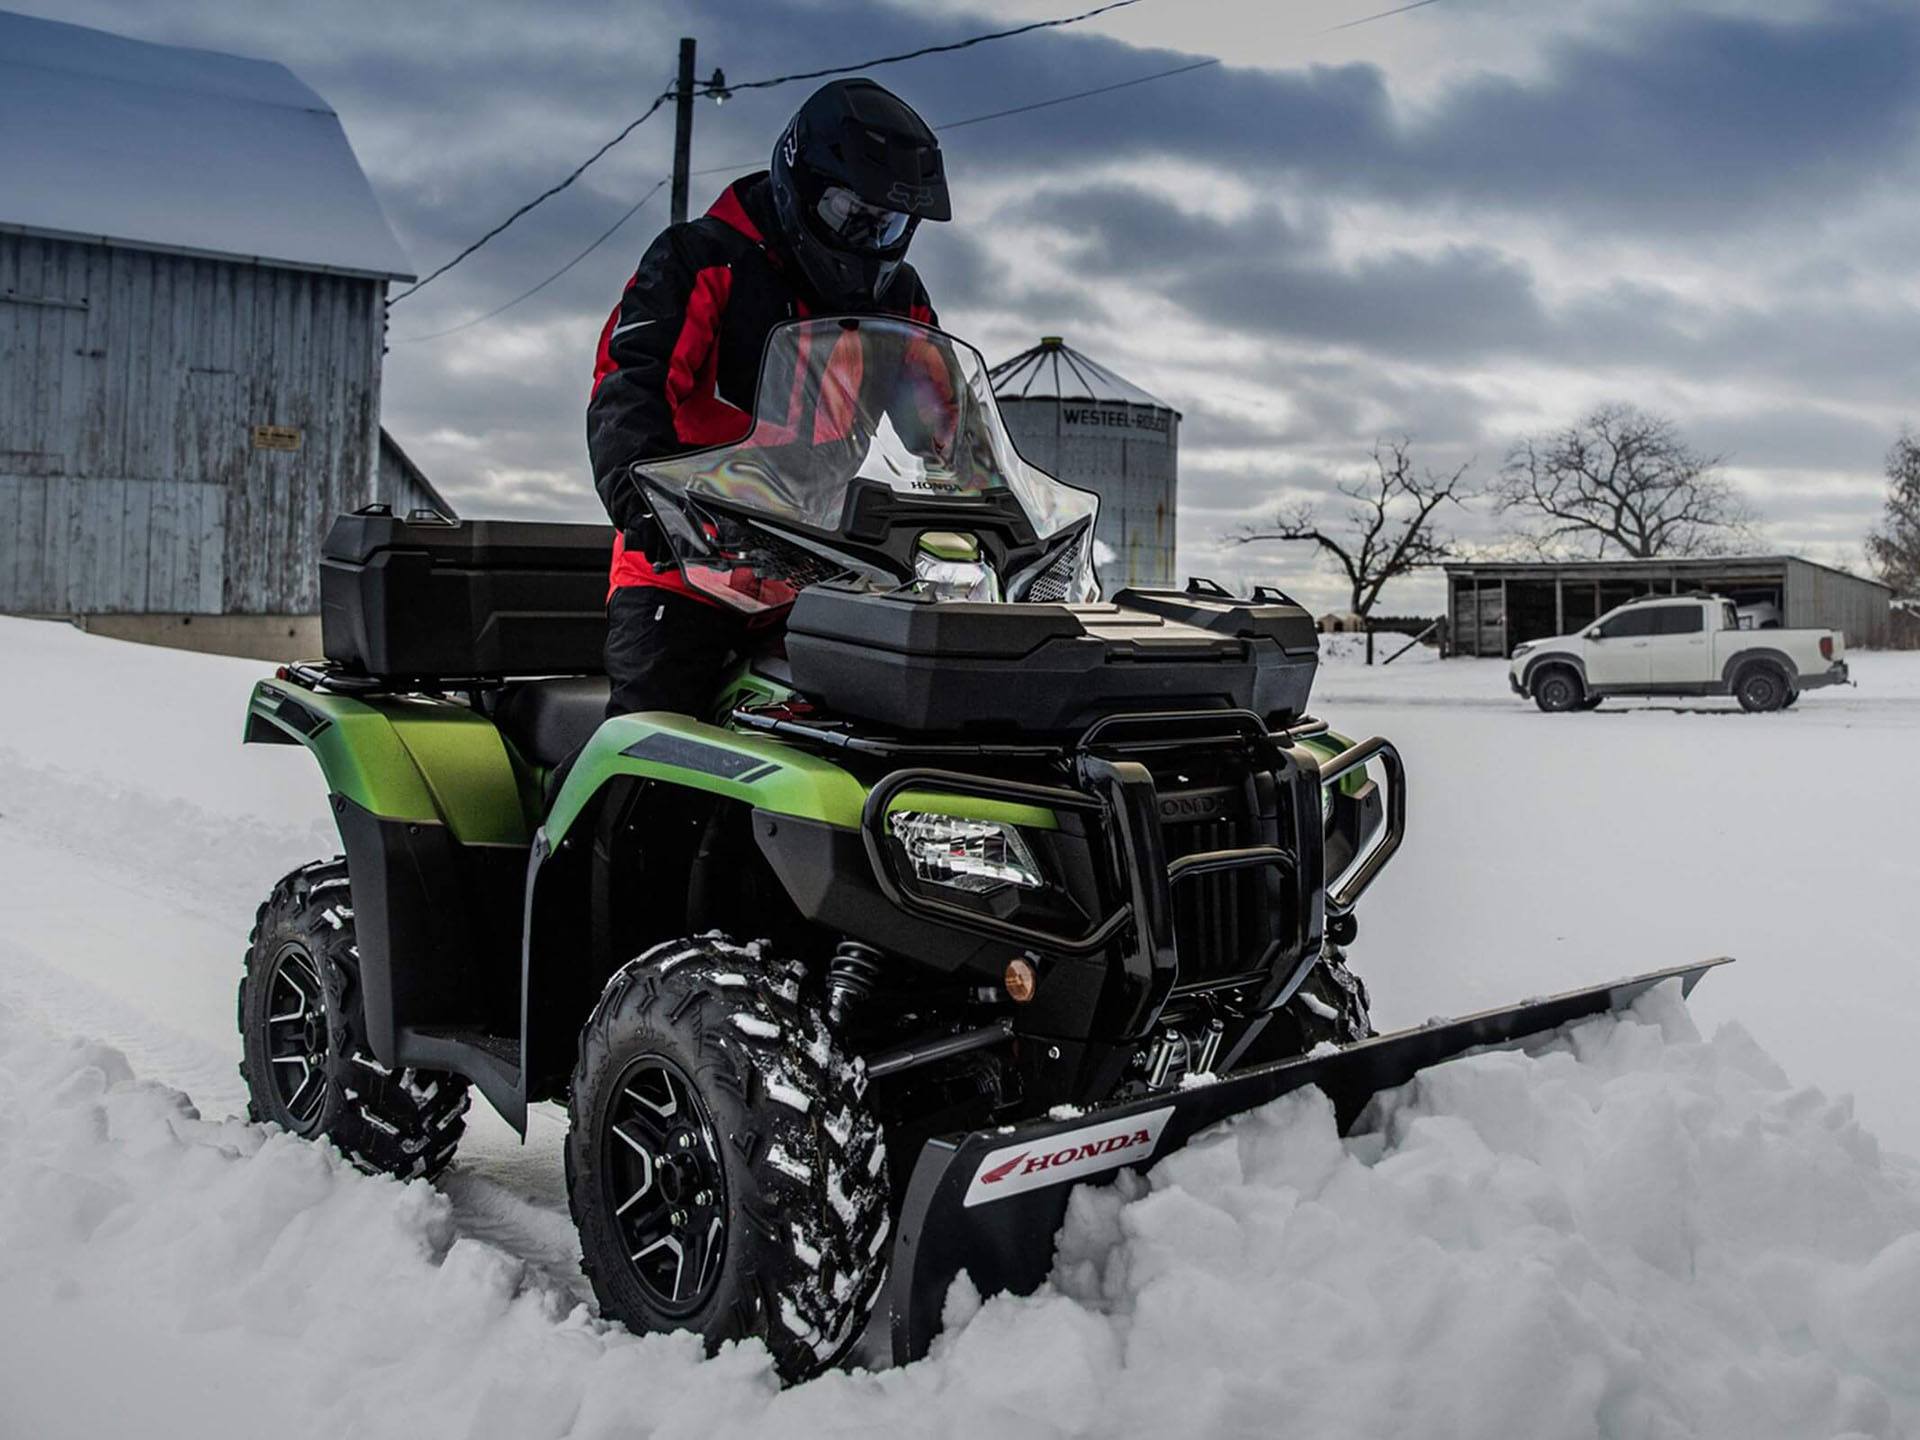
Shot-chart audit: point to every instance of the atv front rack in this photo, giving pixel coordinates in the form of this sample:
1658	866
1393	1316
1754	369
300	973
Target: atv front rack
991	1202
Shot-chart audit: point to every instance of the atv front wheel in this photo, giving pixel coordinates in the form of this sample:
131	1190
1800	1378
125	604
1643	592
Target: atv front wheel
1329	1008
723	1170
307	1065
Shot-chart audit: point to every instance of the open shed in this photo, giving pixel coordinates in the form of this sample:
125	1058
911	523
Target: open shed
1494	605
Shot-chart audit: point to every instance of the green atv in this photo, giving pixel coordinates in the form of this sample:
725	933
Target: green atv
968	888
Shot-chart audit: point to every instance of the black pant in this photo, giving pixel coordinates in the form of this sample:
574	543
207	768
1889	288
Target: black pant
667	651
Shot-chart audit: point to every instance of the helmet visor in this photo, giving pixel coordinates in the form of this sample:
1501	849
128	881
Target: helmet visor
856	224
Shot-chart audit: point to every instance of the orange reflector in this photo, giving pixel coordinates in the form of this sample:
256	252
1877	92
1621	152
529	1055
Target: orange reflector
1020	981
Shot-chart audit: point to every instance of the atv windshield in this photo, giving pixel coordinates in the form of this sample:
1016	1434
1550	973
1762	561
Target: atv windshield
872	399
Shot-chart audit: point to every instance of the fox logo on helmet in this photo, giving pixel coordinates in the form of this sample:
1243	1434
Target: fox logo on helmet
1072	1155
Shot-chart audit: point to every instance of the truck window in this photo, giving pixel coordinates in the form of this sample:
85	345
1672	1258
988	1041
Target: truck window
1679	620
1637	621
1729	615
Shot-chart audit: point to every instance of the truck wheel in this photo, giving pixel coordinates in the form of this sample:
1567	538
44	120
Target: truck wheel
307	1065
1557	690
723	1169
1793	699
1762	688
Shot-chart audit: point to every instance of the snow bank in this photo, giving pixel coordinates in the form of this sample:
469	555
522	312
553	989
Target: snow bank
1634	1232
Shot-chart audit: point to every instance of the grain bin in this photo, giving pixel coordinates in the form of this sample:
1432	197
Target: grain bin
1075	418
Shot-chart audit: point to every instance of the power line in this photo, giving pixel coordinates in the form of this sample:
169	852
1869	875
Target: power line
880	60
767	84
605	235
608	233
1382	15
540	199
1076	95
945	125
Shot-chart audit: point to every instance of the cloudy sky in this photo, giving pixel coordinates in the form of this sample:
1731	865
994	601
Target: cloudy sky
1463	223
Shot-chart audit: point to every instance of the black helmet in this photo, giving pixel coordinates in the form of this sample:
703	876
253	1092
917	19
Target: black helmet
853	176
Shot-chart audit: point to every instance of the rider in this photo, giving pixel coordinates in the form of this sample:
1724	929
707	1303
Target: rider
824	232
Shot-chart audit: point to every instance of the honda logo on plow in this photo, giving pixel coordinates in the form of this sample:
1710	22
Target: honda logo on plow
1070	1155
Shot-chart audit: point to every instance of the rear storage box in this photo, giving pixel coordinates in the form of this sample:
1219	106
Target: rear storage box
425	598
915	664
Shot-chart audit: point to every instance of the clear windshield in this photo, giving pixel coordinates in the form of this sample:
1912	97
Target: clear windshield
873	398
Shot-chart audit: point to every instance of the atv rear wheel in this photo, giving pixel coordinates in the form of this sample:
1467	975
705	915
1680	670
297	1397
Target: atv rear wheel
307	1065
723	1170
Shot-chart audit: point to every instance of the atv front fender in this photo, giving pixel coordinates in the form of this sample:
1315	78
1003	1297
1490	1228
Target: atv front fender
767	775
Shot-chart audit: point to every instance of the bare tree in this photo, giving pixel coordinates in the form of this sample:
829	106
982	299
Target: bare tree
1622	482
1389	529
1894	547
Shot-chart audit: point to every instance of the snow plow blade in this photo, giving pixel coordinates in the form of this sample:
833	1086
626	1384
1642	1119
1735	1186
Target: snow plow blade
991	1202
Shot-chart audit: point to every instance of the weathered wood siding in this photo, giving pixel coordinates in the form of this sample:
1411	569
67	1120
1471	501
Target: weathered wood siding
1819	598
130	384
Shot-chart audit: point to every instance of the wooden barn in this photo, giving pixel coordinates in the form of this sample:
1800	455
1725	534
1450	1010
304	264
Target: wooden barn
193	278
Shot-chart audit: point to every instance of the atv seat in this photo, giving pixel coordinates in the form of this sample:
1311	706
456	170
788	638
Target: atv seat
547	720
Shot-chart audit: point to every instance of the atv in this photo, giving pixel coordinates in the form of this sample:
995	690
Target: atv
970	886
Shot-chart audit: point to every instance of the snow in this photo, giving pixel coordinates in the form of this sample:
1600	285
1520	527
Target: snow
1632	1231
180	149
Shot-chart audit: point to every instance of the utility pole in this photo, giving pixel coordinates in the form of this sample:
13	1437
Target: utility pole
682	131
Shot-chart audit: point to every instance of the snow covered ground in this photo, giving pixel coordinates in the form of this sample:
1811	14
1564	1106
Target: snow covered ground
1634	1231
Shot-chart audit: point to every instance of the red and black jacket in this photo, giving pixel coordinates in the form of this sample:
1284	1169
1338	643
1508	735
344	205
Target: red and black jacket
679	359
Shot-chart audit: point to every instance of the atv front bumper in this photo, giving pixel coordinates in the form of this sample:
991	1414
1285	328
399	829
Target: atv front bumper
991	1202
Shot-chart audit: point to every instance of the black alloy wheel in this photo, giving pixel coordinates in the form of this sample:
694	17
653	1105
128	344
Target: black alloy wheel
666	1185
297	1039
723	1168
303	1038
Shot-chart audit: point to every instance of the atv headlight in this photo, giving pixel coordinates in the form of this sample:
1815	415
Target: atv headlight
976	856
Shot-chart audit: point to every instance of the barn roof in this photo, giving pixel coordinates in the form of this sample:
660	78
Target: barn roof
168	148
1054	370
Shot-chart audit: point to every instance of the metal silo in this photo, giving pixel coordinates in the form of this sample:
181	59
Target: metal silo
1076	419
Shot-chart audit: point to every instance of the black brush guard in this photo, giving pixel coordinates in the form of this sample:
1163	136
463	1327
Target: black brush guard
1117	790
954	1219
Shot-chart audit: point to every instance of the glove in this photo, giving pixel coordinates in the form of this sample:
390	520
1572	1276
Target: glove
646	537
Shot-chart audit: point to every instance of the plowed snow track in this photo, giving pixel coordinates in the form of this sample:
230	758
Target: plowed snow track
1638	1233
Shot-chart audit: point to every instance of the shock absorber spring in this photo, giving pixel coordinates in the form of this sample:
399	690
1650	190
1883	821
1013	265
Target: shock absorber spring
851	976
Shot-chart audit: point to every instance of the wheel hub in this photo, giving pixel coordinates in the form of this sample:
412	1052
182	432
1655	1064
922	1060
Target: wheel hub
296	1038
665	1183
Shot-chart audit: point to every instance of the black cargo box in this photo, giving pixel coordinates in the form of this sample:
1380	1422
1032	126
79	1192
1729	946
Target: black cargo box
426	598
920	665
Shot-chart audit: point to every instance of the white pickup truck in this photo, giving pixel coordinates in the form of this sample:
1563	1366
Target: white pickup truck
1677	645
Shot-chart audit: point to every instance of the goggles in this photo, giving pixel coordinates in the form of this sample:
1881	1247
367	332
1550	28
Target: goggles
858	225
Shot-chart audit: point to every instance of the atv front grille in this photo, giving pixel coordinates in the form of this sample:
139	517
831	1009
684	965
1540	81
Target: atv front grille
1223	922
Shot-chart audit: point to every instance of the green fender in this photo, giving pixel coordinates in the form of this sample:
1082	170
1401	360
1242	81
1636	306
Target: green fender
405	758
1327	745
765	774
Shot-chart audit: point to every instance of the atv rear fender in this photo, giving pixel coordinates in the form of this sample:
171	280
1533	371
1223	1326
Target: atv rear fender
435	817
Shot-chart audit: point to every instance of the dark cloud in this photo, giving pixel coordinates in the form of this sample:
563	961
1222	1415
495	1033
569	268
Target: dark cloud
1738	138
